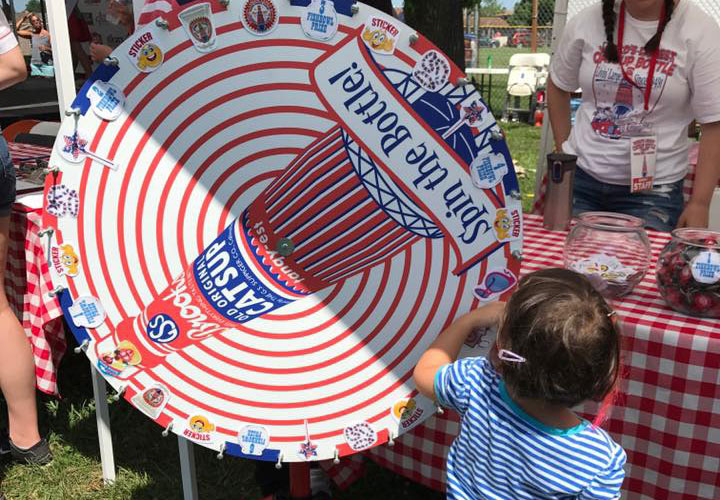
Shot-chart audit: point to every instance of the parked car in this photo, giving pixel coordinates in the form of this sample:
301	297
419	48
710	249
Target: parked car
520	38
485	41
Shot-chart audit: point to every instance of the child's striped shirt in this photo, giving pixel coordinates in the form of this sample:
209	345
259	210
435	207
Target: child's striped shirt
504	453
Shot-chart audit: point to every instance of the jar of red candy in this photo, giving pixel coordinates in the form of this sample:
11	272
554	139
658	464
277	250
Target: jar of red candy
688	272
612	250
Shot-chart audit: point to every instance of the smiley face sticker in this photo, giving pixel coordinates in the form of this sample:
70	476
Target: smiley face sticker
145	52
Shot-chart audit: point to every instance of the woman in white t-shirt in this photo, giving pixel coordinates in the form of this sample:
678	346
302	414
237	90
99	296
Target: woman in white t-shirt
631	141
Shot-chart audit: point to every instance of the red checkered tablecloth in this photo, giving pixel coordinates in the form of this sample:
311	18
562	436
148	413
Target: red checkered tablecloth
27	283
668	420
22	153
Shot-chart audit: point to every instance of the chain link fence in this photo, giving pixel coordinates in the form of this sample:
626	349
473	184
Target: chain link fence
492	37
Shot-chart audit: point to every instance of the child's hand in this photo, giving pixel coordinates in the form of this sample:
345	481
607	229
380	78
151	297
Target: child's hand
487	316
446	347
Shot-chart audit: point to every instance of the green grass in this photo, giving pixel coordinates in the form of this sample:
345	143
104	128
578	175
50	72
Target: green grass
523	141
148	467
147	464
498	58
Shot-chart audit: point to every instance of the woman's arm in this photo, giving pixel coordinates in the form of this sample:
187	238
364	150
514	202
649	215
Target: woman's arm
707	174
559	110
22	33
12	68
447	346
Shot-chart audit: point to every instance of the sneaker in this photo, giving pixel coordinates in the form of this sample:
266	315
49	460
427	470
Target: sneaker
4	443
38	454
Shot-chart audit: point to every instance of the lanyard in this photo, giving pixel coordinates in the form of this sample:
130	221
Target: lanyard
653	58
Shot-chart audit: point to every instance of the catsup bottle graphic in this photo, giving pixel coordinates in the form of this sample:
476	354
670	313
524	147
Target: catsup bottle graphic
386	175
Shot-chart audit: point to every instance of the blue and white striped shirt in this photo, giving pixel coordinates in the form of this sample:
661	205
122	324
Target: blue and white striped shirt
504	453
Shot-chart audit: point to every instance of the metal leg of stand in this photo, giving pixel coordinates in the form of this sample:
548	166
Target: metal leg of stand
187	469
102	415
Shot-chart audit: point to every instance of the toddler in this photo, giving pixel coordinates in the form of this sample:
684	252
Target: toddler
557	346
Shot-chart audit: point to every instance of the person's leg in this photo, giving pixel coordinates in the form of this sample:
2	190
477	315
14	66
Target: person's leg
17	367
79	55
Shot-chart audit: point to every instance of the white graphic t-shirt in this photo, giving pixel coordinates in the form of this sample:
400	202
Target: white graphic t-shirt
686	86
7	37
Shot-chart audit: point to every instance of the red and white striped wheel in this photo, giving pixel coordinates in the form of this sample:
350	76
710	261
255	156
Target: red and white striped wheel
237	134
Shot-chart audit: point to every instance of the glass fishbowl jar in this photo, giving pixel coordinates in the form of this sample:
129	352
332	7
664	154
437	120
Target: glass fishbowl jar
612	250
688	272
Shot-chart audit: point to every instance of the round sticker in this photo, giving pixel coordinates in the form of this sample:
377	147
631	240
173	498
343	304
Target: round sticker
319	20
260	17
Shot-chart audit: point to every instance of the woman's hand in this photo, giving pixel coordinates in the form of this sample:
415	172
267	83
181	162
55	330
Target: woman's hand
696	214
99	52
707	173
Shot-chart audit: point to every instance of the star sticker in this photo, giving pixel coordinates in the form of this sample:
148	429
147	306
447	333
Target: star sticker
308	450
74	145
473	113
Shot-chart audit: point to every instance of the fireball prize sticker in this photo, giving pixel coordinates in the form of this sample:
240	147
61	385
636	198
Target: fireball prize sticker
705	267
319	20
106	100
253	439
87	311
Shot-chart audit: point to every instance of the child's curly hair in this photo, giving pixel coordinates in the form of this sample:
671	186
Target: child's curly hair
563	327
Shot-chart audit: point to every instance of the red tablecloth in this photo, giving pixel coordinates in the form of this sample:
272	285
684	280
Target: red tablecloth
27	281
668	421
22	153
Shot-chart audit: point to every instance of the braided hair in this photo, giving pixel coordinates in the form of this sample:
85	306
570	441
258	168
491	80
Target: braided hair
612	52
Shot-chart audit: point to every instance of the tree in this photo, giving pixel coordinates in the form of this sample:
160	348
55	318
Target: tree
522	13
33	6
488	8
491	8
383	5
441	21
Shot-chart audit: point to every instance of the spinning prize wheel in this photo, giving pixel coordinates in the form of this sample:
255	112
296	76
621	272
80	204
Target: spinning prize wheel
265	211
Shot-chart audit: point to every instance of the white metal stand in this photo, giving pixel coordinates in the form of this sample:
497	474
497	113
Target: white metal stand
102	416
62	60
187	469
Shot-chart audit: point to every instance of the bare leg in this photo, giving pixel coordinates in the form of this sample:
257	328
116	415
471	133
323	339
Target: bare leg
79	54
17	367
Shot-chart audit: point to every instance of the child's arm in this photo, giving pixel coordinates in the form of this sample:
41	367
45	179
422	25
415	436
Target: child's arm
447	346
607	484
